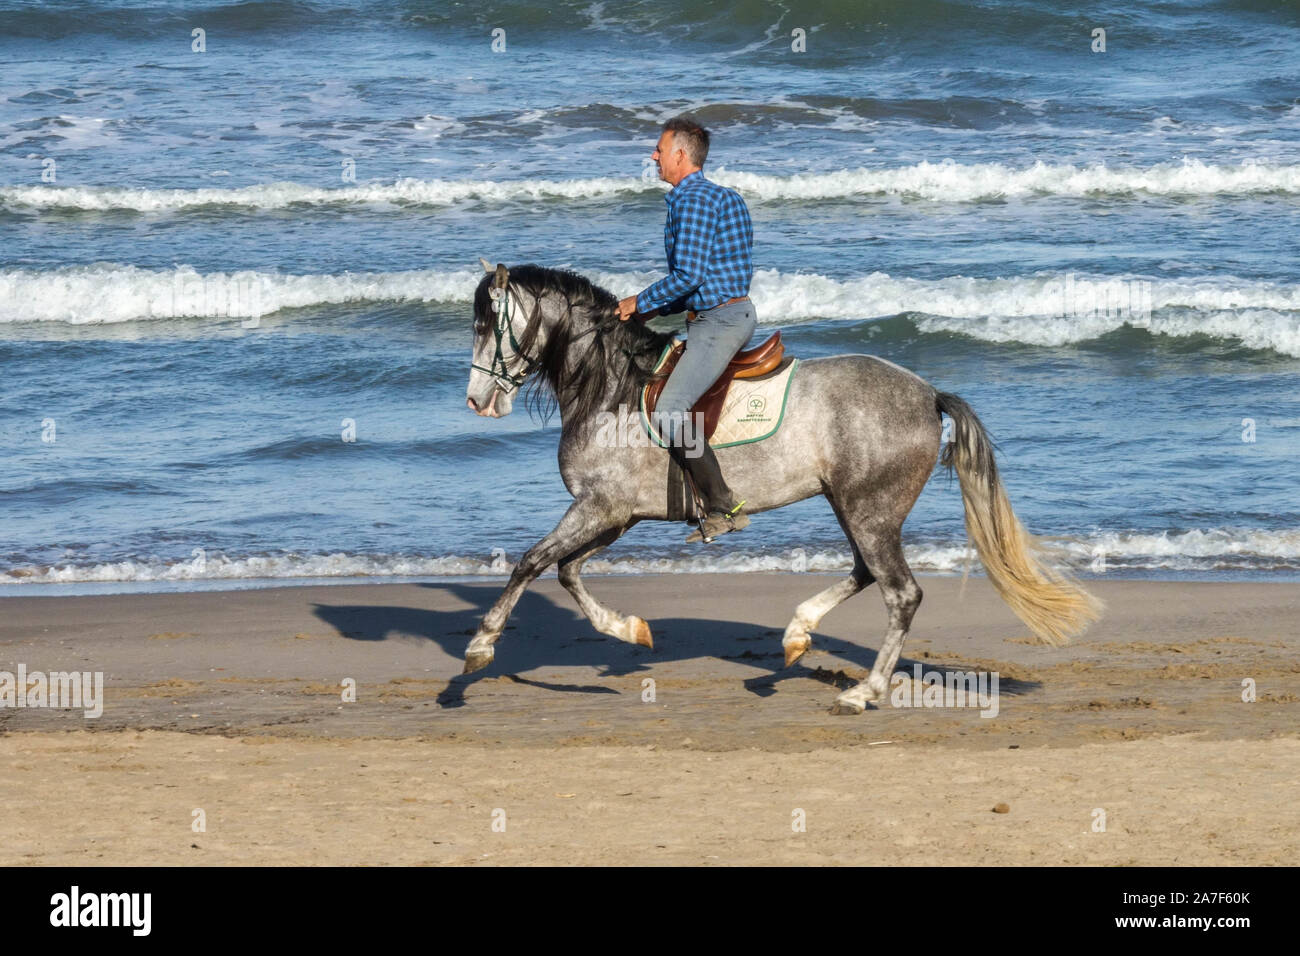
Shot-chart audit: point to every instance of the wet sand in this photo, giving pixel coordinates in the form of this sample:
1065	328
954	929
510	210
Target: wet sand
232	702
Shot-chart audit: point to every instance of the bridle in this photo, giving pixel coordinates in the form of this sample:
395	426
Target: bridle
501	294
503	331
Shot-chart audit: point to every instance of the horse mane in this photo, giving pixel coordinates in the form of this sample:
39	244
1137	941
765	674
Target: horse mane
621	353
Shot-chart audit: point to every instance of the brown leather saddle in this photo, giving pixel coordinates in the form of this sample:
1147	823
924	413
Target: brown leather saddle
747	363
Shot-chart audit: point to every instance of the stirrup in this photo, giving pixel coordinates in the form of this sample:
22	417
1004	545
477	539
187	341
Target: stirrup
718	523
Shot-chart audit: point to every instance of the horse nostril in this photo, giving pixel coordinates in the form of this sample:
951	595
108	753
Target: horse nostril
473	405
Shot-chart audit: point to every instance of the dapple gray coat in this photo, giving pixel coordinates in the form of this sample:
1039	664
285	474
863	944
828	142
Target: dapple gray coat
858	430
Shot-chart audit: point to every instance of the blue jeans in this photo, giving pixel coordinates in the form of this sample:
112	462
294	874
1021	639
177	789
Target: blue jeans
711	341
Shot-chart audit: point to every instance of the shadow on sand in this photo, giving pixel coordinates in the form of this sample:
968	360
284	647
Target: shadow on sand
543	633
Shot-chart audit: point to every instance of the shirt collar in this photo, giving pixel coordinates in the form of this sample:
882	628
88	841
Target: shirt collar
682	185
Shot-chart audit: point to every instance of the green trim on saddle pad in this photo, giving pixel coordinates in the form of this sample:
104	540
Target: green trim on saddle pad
788	372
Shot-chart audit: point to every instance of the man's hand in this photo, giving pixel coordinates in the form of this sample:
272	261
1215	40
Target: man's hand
627	308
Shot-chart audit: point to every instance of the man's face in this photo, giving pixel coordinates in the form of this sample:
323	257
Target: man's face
671	160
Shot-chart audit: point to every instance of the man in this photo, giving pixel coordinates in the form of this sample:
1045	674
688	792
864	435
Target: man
709	240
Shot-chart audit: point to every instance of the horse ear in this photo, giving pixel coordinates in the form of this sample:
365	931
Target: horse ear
503	276
487	266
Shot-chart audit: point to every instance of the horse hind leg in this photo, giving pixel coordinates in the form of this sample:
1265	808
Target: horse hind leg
798	634
883	552
625	627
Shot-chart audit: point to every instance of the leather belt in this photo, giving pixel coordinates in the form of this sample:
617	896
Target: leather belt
691	315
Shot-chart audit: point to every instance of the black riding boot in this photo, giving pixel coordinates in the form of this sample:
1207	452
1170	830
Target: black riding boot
722	513
707	477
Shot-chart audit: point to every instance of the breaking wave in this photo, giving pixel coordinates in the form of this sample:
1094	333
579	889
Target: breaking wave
1103	552
945	181
1046	310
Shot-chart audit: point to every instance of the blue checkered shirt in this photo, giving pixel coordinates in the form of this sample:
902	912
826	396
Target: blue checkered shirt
709	241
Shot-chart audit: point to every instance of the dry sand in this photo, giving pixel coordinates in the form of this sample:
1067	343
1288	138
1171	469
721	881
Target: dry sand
230	702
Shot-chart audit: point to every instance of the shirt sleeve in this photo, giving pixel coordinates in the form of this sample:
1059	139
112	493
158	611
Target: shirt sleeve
696	225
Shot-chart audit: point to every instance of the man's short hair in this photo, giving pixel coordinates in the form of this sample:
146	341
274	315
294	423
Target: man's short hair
690	136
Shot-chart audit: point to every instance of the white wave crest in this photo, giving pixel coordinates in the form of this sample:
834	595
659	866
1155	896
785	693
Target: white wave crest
282	195
1255	328
1211	550
114	293
948	181
945	181
1048	310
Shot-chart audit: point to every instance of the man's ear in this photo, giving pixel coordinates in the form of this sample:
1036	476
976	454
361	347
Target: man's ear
487	266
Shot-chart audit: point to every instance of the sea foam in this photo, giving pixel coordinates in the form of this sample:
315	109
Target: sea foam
1214	549
943	181
1048	310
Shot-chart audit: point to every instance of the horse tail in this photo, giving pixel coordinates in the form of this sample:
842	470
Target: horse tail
1050	602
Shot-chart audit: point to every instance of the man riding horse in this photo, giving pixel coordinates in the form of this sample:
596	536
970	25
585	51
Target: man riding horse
856	429
709	239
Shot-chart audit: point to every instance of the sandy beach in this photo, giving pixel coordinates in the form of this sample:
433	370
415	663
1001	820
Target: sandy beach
232	703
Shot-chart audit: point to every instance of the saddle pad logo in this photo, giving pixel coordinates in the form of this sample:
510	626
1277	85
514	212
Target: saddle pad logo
755	410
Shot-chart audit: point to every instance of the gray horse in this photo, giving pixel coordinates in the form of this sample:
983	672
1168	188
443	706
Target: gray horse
859	430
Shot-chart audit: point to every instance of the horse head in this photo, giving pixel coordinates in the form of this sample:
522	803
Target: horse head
498	365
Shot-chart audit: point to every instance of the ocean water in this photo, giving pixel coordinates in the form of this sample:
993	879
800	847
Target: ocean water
217	266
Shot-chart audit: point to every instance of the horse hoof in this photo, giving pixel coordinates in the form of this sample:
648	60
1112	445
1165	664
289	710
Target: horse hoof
844	709
641	633
477	660
795	651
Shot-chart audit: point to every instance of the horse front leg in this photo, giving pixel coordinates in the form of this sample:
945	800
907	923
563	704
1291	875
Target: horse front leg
584	521
625	627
